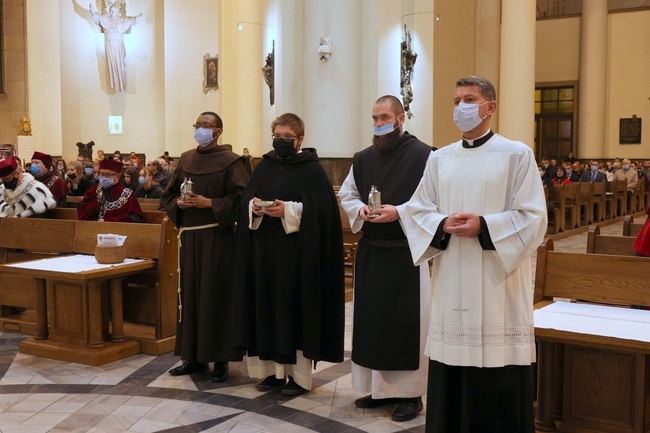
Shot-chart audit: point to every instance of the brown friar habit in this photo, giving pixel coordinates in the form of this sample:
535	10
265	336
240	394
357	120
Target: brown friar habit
290	291
386	334
207	255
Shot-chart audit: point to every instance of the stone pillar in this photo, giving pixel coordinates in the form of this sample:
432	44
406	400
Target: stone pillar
244	29
517	71
593	79
488	48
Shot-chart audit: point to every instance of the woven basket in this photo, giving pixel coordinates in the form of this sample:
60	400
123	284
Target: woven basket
110	255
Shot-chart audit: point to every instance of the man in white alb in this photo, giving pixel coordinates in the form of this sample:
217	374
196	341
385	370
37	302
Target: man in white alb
481	228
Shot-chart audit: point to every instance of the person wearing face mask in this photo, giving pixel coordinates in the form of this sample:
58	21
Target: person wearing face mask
206	220
41	170
631	177
391	296
290	252
77	182
147	188
22	196
593	175
61	169
110	200
481	230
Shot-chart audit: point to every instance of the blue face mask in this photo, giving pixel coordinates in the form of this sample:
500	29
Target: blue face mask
594	168
385	129
35	170
141	180
203	136
106	182
88	171
466	116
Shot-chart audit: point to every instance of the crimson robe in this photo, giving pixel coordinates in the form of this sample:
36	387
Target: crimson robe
121	206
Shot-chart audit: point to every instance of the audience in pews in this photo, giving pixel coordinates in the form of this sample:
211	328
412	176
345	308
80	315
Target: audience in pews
60	168
147	188
136	159
568	170
41	170
21	195
159	176
76	180
131	178
110	200
560	177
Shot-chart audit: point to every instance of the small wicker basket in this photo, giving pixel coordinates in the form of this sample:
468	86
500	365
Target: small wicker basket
110	255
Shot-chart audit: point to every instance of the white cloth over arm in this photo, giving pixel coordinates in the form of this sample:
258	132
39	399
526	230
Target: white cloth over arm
290	221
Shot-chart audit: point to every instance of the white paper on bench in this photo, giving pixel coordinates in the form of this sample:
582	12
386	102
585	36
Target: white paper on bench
72	264
600	320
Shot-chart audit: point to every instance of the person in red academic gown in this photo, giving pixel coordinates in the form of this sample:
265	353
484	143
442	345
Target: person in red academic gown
41	169
110	200
642	242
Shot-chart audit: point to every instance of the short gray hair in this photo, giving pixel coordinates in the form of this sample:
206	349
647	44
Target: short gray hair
485	87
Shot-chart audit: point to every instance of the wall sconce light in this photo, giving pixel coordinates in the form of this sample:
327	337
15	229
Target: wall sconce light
325	49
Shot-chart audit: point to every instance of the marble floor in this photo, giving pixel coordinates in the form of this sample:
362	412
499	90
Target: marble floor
136	394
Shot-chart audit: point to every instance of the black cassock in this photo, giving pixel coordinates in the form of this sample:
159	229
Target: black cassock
290	288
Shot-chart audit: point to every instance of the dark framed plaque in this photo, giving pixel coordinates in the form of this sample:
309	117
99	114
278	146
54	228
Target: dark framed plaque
630	131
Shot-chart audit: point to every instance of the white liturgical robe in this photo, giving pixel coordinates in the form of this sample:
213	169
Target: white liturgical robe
482	308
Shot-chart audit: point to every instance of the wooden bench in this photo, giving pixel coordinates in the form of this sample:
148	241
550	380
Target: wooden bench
146	204
592	383
630	228
616	245
150	297
68	213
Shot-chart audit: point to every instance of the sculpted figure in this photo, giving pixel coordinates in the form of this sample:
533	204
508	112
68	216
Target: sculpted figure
114	25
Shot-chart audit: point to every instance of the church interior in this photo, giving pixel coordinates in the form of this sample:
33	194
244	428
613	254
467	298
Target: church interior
571	77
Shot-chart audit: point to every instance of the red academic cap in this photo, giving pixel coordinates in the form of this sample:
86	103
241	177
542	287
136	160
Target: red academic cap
44	158
111	164
8	166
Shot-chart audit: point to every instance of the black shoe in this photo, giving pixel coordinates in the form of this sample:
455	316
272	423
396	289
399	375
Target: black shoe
292	389
188	367
270	383
220	372
368	402
407	409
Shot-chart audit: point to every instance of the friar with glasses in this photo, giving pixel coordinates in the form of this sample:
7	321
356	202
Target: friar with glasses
290	285
206	218
110	200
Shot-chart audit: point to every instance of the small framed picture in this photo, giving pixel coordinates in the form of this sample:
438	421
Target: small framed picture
115	125
210	73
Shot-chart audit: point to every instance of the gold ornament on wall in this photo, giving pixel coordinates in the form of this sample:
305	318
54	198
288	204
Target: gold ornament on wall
25	126
269	73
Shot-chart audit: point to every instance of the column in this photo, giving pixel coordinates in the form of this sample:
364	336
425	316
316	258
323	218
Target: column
516	93
244	30
488	45
593	79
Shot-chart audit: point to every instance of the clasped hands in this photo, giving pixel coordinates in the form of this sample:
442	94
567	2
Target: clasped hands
275	211
463	224
387	213
194	200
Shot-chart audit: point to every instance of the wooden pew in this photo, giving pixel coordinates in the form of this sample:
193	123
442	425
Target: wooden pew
604	382
150	297
617	193
566	199
616	245
630	228
350	242
68	213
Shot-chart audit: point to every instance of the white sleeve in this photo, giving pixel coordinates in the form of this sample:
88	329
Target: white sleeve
253	220
351	202
292	216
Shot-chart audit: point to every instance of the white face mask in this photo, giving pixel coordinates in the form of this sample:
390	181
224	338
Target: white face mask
466	116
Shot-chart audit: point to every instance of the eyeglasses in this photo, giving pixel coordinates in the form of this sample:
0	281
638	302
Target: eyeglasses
283	137
205	125
107	175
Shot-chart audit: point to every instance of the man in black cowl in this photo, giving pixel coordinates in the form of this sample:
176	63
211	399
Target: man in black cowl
391	295
206	220
289	298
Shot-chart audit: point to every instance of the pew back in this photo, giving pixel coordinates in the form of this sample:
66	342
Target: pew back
601	278
616	245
